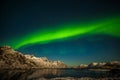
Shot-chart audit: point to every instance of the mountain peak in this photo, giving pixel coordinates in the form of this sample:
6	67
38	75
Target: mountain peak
5	47
6	50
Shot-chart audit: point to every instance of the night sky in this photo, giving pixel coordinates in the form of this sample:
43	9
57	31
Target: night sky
73	31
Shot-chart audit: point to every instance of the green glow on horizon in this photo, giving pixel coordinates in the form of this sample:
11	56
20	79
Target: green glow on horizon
108	26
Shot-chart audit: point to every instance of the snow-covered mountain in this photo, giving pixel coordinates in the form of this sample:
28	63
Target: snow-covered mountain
101	65
9	58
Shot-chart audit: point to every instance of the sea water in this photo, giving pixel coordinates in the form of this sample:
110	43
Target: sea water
58	74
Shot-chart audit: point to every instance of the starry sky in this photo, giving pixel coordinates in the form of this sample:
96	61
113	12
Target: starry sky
73	31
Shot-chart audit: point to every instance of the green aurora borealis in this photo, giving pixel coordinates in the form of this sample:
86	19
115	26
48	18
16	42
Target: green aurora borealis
74	31
109	26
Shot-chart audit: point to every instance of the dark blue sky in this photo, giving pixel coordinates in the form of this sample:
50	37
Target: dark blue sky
18	18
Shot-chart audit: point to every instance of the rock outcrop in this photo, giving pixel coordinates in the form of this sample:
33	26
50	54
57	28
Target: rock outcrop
11	59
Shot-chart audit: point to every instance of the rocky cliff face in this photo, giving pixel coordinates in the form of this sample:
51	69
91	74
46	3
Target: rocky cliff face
9	58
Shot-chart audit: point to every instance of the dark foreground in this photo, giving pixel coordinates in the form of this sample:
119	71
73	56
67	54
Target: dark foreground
59	74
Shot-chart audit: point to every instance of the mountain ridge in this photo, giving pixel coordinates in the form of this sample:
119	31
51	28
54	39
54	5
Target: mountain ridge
9	58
